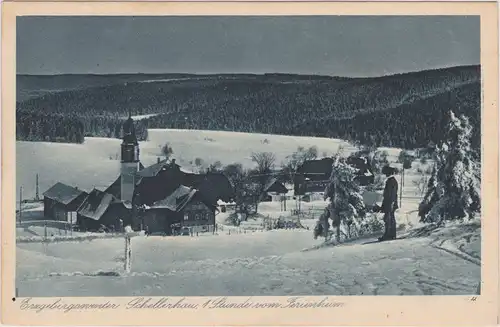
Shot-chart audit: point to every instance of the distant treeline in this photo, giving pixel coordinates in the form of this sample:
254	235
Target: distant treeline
40	126
403	110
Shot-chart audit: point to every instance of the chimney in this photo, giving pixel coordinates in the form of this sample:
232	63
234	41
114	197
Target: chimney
157	159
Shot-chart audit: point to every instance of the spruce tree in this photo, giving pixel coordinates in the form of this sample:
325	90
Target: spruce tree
346	205
454	189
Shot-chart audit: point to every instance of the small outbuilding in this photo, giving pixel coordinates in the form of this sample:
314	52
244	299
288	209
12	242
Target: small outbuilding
276	187
61	200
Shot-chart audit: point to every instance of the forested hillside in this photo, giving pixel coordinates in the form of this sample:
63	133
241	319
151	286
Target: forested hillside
399	110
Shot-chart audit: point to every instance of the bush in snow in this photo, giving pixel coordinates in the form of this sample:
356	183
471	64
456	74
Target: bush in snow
454	187
346	205
198	162
167	150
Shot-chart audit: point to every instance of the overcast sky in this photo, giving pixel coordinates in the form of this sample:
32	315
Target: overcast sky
328	45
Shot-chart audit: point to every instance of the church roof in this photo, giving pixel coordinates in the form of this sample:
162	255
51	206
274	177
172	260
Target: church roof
63	193
153	170
115	189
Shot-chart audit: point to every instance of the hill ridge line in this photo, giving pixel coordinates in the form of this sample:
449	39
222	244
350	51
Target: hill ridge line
414	98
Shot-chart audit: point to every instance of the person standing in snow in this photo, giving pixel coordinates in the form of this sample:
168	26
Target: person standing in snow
389	204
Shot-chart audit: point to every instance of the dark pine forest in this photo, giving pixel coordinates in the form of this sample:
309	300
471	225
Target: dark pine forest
405	110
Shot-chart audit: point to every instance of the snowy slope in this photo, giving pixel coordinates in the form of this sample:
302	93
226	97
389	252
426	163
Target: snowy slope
260	263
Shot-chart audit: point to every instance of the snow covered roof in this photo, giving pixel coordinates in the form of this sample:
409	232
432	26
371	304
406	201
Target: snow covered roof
187	171
177	200
63	193
222	203
96	204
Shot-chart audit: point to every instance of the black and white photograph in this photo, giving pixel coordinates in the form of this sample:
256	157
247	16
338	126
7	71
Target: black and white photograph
248	156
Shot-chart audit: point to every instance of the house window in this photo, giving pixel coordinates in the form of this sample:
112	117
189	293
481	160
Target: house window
186	216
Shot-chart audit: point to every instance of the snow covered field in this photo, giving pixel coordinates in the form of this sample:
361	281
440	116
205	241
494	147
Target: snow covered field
259	263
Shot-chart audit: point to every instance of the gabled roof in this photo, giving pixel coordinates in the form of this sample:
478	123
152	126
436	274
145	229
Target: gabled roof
275	186
96	204
177	200
63	193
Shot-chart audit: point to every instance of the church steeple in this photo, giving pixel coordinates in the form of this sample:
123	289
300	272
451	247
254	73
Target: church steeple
129	136
130	146
129	159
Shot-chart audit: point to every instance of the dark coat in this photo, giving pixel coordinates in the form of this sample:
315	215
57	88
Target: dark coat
390	201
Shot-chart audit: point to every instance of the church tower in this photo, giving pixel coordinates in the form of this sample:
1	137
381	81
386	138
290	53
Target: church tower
129	160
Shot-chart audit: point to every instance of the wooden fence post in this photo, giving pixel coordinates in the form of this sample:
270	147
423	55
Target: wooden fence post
128	253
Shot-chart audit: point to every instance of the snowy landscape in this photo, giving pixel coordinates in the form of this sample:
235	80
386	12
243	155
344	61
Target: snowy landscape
245	260
343	167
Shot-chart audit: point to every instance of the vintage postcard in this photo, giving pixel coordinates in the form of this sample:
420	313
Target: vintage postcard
250	163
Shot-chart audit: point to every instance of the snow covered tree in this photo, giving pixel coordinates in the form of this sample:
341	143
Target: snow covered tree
346	205
454	188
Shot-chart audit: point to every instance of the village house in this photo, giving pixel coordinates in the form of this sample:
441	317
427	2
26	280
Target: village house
185	207
61	201
274	190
